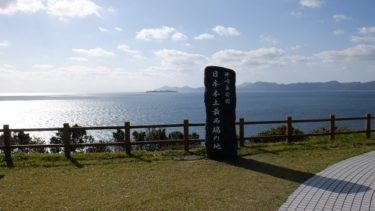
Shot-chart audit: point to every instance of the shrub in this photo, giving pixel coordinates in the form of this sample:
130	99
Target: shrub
159	134
336	129
139	135
37	141
97	148
194	135
22	138
77	136
275	131
119	135
175	135
156	134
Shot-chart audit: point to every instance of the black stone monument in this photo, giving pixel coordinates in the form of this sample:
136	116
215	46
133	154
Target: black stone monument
220	101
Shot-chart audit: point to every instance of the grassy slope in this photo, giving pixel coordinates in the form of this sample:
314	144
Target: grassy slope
261	179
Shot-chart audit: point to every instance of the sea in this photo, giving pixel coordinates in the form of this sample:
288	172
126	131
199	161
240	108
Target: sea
113	109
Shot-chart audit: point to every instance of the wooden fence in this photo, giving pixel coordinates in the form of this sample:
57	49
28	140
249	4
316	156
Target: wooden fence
127	127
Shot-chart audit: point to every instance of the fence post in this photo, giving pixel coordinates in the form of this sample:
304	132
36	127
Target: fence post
7	149
332	127
242	132
368	126
67	147
289	129
127	138
186	135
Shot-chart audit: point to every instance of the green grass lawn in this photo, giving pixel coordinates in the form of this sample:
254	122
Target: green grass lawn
261	179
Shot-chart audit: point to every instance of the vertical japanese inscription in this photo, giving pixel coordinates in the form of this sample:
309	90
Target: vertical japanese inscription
220	101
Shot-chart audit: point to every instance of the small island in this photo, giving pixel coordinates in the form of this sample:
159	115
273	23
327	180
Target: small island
161	91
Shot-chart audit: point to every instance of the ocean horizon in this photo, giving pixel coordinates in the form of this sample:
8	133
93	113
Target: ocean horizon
139	108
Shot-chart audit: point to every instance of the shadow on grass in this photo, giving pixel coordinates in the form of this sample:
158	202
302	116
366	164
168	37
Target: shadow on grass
309	179
276	150
272	170
75	162
2	176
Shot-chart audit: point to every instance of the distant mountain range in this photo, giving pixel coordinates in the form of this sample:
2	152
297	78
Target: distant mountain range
268	86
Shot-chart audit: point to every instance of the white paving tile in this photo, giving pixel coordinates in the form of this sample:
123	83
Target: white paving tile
346	185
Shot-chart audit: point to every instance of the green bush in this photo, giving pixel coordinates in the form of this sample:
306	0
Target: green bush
175	135
21	138
156	134
37	140
97	148
276	131
159	134
119	135
77	136
139	135
327	130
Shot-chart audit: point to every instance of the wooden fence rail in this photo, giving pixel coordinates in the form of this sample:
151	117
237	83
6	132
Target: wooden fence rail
7	147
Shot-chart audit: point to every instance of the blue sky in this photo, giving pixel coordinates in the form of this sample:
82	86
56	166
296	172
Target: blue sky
115	46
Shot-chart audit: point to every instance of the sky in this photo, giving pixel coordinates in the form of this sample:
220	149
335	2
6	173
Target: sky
86	46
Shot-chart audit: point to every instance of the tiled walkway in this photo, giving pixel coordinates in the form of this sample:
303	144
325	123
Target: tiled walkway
347	185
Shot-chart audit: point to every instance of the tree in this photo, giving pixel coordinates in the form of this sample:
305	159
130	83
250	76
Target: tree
37	141
56	140
21	138
119	135
139	135
194	135
77	136
91	140
175	135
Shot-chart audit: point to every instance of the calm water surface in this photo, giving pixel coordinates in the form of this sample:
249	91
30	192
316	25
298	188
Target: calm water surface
159	108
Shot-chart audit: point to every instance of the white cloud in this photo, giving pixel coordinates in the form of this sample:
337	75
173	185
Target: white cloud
295	47
173	61
296	13
102	29
5	3
338	32
367	30
95	52
226	31
111	10
78	59
258	58
204	36
341	17
61	8
177	68
10	7
311	3
75	78
4	43
155	33
42	66
6	69
128	50
358	52
118	29
72	8
179	58
365	35
178	36
267	39
8	66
